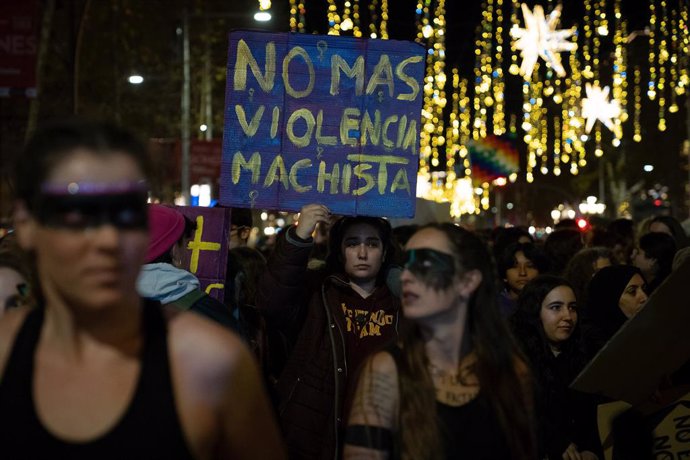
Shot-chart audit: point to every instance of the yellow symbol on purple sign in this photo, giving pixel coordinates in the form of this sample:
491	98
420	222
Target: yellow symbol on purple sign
213	286
197	245
380	93
319	152
251	94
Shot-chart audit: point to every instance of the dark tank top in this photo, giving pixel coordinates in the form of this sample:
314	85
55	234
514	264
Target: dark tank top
149	428
468	432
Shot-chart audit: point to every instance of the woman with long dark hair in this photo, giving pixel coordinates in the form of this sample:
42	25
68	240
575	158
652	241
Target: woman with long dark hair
454	386
546	325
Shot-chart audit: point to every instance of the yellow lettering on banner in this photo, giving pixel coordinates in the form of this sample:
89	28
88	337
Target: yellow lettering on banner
298	51
213	286
371	129
390	120
301	164
239	163
400	181
347	178
382	75
303	140
401	131
383	161
333	178
347	123
320	139
277	170
360	172
274	121
196	245
251	127
356	71
410	141
409	81
246	58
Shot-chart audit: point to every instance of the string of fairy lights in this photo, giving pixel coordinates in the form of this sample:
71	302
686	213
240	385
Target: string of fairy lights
576	83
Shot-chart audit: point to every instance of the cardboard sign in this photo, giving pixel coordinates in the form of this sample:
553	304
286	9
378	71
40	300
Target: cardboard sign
647	349
207	251
672	434
322	119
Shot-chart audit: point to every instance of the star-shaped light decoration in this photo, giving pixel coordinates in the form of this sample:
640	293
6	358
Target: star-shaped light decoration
596	106
540	38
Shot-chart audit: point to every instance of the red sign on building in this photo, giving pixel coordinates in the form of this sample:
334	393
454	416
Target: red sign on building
18	44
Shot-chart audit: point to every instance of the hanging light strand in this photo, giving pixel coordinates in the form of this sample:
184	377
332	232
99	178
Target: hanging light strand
499	120
373	18
662	60
297	16
514	68
619	68
334	18
556	146
383	26
637	105
587	40
651	90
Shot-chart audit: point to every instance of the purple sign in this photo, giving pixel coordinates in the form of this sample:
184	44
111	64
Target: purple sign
325	119
207	250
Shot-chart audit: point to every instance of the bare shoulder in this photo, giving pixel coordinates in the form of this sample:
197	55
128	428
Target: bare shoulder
197	341
383	362
10	323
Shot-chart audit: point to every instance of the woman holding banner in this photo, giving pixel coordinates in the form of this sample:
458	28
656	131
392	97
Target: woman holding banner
332	320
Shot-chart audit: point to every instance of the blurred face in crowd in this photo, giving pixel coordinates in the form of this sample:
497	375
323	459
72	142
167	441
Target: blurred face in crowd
238	236
362	251
558	314
521	273
633	298
431	287
647	265
89	247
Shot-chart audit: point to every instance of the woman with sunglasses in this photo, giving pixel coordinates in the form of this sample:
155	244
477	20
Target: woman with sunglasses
454	385
94	371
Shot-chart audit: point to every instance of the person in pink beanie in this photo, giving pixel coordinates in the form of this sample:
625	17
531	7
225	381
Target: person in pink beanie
162	279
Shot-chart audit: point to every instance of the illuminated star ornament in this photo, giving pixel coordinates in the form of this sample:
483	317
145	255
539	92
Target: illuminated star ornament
596	106
540	38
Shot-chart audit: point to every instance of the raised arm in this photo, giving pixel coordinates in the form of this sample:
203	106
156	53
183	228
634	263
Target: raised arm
282	286
374	414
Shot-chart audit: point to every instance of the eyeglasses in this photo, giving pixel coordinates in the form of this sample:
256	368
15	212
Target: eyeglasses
434	268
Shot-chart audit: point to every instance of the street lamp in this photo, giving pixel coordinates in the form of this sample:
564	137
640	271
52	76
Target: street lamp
135	79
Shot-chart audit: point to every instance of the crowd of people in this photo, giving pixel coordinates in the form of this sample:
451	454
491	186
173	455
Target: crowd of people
347	339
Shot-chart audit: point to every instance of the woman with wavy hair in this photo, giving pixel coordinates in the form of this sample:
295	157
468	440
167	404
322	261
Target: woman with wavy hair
454	385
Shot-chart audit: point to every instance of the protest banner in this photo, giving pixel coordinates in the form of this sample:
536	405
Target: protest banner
206	254
649	347
326	119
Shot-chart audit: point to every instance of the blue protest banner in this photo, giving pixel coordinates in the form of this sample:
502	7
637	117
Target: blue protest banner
326	119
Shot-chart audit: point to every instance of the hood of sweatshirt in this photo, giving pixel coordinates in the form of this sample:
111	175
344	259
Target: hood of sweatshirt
165	283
